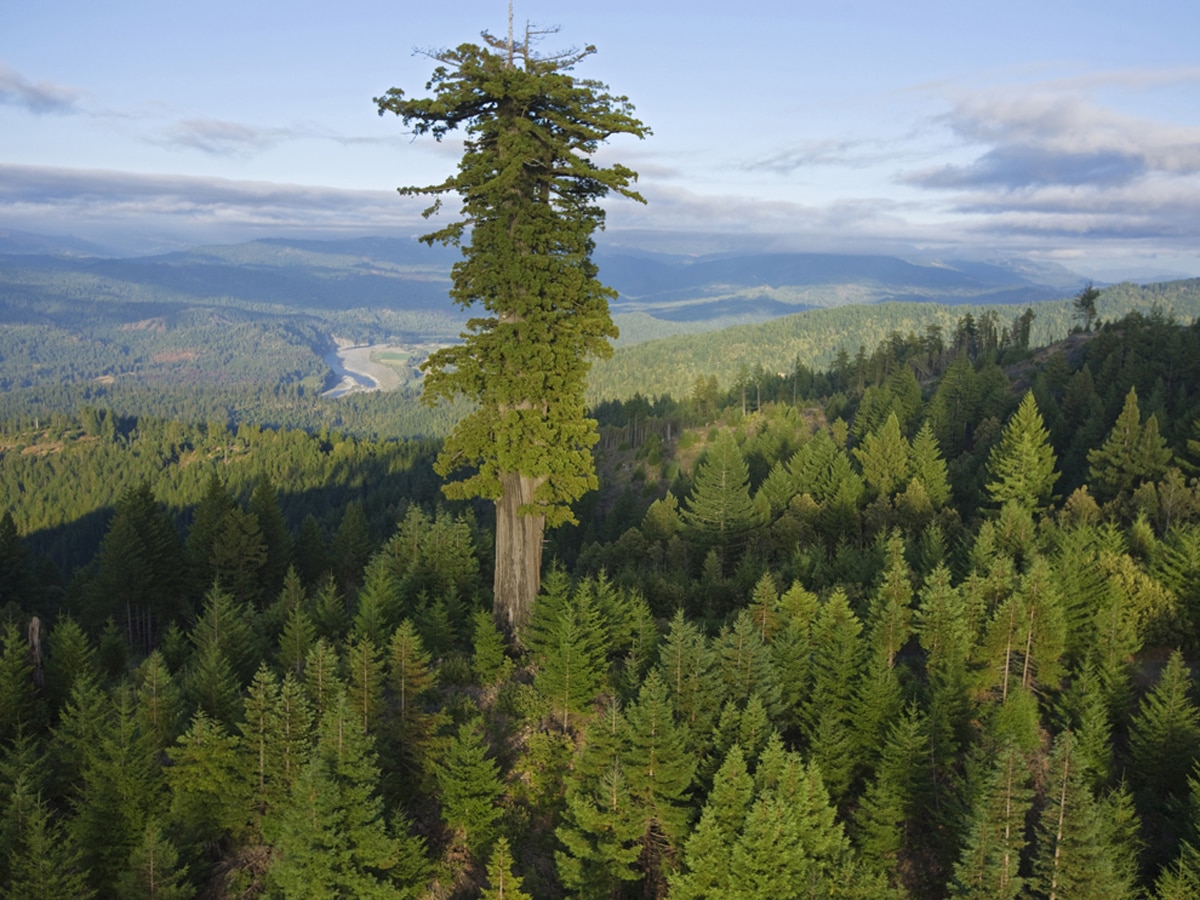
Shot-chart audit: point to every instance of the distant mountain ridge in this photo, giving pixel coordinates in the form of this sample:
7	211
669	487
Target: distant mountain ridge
683	293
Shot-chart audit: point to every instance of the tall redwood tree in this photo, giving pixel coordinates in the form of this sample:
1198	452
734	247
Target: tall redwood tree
530	194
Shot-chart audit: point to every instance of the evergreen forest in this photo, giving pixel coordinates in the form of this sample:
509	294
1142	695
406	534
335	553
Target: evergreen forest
916	622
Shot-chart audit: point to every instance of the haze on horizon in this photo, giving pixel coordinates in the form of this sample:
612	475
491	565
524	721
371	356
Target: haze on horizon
1068	133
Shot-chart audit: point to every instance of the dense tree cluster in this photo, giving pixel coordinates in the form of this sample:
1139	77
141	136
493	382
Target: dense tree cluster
941	650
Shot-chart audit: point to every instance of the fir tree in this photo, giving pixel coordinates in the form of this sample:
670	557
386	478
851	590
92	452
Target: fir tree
502	884
332	839
1132	453
153	872
43	862
567	645
719	513
469	788
990	860
1021	467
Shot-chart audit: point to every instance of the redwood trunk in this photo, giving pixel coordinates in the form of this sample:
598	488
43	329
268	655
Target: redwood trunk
518	554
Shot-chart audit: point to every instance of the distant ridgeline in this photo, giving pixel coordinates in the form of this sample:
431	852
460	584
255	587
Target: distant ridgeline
239	333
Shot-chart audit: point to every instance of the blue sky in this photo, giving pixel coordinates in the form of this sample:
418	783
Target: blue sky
1066	131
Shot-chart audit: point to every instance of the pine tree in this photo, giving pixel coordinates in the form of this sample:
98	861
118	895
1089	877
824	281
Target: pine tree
1021	467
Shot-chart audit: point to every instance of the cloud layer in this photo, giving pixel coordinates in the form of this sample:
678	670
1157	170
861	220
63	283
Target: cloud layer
40	98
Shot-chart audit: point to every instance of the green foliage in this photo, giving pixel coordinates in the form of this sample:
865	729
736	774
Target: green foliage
528	262
469	787
568	646
718	512
1022	465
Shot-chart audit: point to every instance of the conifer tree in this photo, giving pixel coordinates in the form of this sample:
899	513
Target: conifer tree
18	585
153	872
1132	453
206	524
719	513
829	726
502	884
18	697
885	457
894	817
489	662
530	192
70	657
1021	467
410	678
366	682
43	862
688	666
1075	854
1164	739
746	664
121	786
239	556
659	771
991	856
159	701
264	506
928	466
299	635
211	802
568	646
469	788
332	838
322	677
706	854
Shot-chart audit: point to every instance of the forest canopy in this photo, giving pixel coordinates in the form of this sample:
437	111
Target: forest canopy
920	624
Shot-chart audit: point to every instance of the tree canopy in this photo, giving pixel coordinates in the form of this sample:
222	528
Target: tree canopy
530	193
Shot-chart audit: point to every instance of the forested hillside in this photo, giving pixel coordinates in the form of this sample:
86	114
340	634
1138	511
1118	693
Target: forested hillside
817	338
919	623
